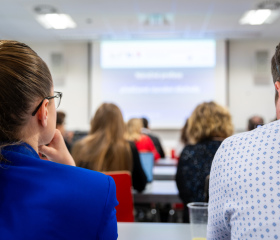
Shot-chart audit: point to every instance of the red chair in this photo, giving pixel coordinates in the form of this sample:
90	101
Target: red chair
124	195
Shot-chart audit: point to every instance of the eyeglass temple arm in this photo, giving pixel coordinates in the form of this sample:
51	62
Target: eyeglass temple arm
37	108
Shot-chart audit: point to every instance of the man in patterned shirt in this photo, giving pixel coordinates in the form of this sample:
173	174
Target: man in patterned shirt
245	180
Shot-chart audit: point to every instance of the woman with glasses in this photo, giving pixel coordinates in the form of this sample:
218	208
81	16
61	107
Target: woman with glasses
43	199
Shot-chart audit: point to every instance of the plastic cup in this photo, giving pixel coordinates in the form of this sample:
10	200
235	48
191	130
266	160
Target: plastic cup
198	213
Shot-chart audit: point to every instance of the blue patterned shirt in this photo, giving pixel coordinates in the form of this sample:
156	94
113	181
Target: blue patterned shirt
244	188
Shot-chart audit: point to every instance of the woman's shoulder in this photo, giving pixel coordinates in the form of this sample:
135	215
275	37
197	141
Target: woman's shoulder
83	182
90	176
201	147
189	147
207	143
145	138
57	176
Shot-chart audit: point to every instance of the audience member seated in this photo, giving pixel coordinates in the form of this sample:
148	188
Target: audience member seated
43	199
60	125
105	148
143	142
146	130
244	181
254	122
207	127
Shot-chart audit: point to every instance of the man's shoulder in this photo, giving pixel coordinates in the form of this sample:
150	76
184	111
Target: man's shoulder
240	140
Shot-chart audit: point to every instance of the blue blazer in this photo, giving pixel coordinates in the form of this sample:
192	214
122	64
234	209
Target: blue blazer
45	200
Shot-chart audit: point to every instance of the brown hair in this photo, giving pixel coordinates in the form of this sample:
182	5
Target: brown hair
105	148
24	78
133	129
275	68
254	121
145	122
209	120
60	117
184	136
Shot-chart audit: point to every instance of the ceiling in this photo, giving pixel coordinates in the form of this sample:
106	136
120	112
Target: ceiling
125	19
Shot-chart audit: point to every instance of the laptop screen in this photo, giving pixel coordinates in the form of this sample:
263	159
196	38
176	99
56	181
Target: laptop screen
147	162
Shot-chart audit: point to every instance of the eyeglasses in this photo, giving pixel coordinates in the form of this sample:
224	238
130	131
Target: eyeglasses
57	99
277	67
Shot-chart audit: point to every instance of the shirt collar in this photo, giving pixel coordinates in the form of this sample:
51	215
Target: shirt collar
23	148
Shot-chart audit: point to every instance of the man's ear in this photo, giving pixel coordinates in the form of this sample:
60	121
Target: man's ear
277	86
43	113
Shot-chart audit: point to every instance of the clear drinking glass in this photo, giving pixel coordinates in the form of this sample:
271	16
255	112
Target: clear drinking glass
198	213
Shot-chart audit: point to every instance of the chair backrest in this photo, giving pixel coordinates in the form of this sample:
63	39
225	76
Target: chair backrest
124	195
147	162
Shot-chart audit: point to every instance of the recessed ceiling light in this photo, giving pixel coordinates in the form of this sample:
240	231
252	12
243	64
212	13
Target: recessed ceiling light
49	17
255	17
56	21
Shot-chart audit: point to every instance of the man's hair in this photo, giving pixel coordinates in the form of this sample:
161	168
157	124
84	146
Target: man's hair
145	122
254	121
275	68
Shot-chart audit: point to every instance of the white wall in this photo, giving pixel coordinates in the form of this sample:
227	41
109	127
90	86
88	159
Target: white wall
96	77
245	98
75	85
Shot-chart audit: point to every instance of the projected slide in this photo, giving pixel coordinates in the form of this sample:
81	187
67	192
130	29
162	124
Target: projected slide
161	80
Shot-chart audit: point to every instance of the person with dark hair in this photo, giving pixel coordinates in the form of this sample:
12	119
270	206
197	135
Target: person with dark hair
254	122
155	139
60	118
43	199
60	125
244	186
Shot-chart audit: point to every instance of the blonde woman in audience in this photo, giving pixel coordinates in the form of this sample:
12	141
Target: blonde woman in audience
143	142
207	127
43	199
106	149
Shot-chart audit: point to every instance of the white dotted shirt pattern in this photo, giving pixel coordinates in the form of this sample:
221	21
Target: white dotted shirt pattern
244	188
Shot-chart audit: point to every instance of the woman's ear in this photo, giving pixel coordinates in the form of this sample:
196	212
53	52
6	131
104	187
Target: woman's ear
43	113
